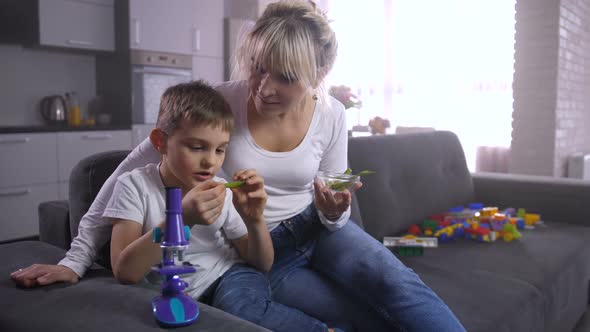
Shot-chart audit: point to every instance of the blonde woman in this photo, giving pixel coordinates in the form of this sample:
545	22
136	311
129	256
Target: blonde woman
288	129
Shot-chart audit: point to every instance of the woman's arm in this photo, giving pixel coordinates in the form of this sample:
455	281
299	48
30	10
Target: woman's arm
334	210
93	233
132	254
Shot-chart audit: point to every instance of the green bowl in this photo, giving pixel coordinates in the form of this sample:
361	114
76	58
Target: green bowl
338	181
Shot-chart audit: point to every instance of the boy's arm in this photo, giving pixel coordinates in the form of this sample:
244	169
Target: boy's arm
132	254
250	200
256	247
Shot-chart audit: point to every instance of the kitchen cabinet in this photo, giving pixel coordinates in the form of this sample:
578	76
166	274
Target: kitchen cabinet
207	28
36	168
208	40
79	24
208	69
160	25
28	159
192	27
74	146
19	206
28	176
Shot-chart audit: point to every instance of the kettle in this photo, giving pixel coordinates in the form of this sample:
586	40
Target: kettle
53	109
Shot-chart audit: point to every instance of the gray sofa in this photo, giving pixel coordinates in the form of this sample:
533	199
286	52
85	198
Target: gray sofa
538	283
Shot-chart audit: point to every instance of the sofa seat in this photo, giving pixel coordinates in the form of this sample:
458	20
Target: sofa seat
522	285
97	303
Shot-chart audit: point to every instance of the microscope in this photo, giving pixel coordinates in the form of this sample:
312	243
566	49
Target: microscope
173	308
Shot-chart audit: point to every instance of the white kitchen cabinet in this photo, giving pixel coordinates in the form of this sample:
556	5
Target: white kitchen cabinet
208	69
28	176
19	206
160	25
28	159
74	146
36	168
193	27
78	24
207	28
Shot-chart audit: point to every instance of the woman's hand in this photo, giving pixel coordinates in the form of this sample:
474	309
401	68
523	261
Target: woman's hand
331	205
43	274
250	198
203	204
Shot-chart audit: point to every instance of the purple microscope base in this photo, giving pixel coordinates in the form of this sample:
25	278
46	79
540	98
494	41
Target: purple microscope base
179	310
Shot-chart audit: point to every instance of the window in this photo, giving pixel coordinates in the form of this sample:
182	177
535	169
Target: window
442	64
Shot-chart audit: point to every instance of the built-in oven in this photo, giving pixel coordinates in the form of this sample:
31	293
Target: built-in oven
152	73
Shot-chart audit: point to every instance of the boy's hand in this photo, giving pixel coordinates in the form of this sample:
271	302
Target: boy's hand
250	198
203	204
43	274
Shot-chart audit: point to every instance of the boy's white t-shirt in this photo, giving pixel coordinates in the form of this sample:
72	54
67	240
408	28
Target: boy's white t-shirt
139	196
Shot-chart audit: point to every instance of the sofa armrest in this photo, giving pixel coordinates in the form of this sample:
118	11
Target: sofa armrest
54	223
556	199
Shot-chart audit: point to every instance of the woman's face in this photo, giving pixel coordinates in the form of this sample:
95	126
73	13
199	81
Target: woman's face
275	93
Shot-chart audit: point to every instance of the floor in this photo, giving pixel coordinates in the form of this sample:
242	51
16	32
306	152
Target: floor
584	323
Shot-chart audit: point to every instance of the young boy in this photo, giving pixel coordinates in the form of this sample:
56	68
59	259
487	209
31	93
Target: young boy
191	134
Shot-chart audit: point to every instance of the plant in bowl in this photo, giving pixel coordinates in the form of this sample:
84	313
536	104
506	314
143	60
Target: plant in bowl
341	181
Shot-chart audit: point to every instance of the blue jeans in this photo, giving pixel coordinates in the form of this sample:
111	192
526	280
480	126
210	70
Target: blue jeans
245	292
349	280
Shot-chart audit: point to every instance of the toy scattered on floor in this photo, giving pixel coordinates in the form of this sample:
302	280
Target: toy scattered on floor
410	245
475	222
173	308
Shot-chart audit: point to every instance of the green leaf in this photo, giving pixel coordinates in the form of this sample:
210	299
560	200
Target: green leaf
234	184
348	171
366	172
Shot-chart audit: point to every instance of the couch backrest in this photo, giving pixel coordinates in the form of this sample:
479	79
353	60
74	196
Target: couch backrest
86	179
418	175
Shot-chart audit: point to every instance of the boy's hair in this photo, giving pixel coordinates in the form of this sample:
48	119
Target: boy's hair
195	101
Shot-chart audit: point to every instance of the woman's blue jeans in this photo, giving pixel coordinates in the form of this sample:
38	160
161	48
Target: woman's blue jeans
351	281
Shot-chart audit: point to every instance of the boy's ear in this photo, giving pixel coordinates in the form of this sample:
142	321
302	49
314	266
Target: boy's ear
158	139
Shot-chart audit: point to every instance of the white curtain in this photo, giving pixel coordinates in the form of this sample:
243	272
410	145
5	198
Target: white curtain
430	63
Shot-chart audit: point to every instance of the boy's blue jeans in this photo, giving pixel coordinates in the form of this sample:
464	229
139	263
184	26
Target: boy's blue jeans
245	292
349	280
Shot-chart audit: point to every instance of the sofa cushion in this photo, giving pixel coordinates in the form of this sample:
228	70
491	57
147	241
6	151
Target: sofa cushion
537	283
86	179
96	303
54	226
417	175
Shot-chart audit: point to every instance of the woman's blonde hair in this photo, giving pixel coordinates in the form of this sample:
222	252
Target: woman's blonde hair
292	38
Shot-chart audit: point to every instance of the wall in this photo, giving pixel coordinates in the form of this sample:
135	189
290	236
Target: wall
28	74
572	121
534	87
551	117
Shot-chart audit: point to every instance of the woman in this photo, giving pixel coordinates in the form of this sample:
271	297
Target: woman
288	130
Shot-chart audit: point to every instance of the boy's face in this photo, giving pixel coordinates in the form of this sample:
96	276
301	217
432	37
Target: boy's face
193	154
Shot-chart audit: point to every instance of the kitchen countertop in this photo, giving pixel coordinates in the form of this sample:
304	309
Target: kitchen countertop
48	128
